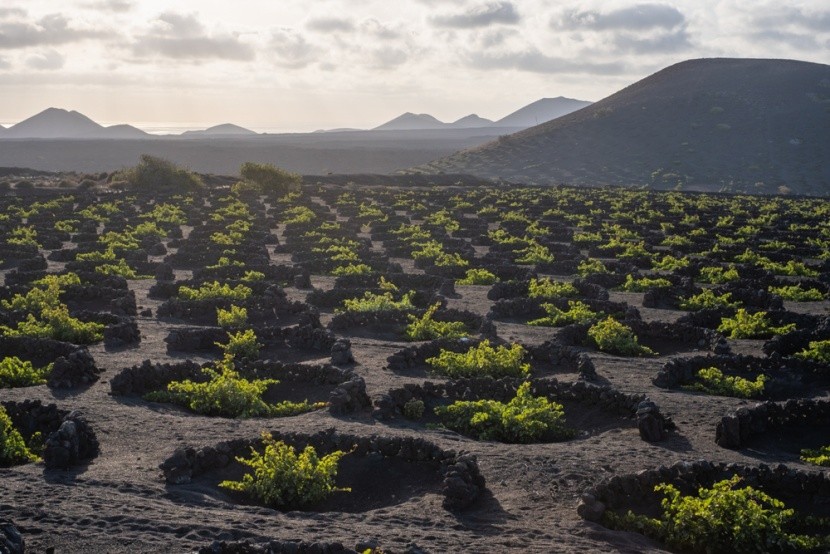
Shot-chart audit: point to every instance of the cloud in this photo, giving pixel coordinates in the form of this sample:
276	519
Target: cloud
329	24
53	29
784	17
482	15
793	27
49	60
798	41
183	37
291	49
639	29
6	12
375	28
5	64
389	58
117	6
661	43
532	60
640	17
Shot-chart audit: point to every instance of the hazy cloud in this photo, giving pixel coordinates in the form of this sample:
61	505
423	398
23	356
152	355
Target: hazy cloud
777	18
49	60
640	17
6	12
291	49
377	29
388	58
183	37
662	43
329	24
117	6
480	16
4	63
640	29
798	41
50	30
531	59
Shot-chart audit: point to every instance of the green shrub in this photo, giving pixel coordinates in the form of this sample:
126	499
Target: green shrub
298	214
820	457
745	325
45	294
720	520
215	290
707	300
23	236
371	302
47	317
241	345
56	323
413	409
233	318
352	269
524	419
482	361
15	372
713	381
120	268
577	312
225	261
13	449
282	478
166	213
591	266
797	294
269	179
445	259
154	173
426	328
67	225
338	252
252	276
547	288
534	253
644	283
718	275
477	277
613	337
670	263
817	351
107	255
791	268
227	394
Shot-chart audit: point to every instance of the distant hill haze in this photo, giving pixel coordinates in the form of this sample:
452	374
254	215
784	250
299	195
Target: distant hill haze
541	111
707	124
55	123
538	112
223	130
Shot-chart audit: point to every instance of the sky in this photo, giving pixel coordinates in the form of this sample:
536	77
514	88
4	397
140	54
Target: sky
301	65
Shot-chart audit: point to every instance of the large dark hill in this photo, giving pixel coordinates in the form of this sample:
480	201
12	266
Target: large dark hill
706	124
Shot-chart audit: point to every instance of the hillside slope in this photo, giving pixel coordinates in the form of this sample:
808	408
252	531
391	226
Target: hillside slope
708	124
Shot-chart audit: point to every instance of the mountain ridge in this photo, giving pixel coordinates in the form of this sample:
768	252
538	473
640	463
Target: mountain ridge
705	124
540	111
221	130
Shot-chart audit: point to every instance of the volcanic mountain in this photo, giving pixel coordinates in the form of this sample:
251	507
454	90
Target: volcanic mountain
541	111
706	124
223	130
55	123
537	112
